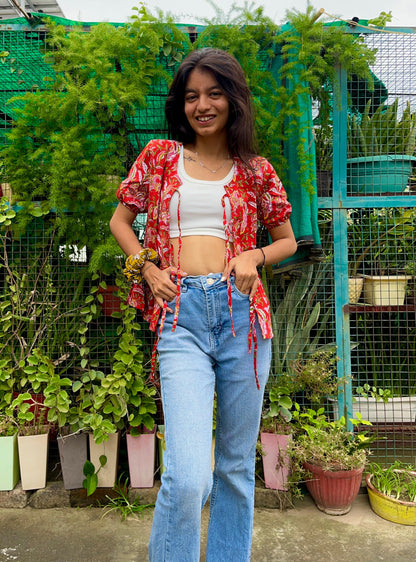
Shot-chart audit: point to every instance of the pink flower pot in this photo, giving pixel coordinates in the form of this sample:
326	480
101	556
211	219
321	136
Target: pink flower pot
276	461
141	455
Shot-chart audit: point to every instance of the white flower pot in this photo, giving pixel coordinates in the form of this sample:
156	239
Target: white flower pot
385	290
107	475
355	287
33	460
398	409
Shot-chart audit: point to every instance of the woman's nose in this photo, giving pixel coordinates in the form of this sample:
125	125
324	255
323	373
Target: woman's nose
204	103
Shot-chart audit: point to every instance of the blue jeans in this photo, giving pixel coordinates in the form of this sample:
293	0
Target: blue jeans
201	357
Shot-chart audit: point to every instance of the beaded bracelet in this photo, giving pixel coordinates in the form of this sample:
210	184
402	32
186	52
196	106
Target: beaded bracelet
135	263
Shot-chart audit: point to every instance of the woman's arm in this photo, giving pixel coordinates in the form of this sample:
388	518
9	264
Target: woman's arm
244	266
159	281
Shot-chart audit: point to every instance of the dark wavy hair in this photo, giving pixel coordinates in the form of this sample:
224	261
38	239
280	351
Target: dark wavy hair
231	79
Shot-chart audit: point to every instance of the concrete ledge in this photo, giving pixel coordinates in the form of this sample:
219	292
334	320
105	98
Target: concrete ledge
16	498
55	495
272	499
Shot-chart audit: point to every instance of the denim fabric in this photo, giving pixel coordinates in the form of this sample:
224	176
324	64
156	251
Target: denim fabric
202	356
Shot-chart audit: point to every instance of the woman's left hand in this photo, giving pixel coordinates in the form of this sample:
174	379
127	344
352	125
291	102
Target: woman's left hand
244	269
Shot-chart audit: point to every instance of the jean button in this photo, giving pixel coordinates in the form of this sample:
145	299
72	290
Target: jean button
210	281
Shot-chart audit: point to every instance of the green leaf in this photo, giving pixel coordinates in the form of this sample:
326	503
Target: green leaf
88	468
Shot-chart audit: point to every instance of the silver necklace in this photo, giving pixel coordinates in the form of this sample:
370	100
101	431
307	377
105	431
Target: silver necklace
203	165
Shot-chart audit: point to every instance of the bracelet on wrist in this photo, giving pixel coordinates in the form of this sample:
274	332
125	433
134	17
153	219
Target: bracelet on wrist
264	257
135	263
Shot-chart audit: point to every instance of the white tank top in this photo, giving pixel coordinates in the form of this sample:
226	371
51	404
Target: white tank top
200	207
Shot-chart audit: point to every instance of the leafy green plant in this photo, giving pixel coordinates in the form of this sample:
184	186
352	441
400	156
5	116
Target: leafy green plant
382	132
90	482
368	391
328	444
278	415
123	396
8	426
382	241
122	504
31	422
84	129
316	376
285	67
299	336
398	481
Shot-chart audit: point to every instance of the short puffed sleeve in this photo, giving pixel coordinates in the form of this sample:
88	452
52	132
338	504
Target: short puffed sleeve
274	208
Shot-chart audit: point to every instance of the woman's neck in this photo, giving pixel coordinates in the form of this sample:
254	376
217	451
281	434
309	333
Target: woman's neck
212	148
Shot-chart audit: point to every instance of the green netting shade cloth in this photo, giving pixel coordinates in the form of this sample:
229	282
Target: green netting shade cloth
300	177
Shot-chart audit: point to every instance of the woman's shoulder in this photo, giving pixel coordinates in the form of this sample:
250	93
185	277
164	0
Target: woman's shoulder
261	164
162	145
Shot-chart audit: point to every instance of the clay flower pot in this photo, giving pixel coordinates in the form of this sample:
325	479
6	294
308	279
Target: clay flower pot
333	492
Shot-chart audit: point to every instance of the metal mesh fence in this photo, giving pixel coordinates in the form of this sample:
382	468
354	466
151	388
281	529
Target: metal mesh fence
380	231
381	238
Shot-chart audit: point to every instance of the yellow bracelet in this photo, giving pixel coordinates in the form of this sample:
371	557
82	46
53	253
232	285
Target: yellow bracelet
135	263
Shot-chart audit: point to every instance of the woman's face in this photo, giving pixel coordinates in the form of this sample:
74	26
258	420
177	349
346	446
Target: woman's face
206	105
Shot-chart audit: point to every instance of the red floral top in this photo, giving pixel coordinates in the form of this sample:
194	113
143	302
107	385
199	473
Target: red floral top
148	188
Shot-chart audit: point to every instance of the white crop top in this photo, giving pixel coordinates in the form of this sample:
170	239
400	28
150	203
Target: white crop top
200	207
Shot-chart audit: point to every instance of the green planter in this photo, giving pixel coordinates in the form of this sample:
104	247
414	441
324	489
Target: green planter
9	463
388	173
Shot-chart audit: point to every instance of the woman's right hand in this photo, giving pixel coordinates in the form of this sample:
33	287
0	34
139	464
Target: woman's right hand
160	282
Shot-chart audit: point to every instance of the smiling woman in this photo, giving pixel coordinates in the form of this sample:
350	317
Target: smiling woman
204	193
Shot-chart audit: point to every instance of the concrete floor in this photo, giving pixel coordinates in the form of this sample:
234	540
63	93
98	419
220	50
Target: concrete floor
299	534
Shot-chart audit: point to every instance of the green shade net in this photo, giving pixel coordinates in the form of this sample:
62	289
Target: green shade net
25	69
299	151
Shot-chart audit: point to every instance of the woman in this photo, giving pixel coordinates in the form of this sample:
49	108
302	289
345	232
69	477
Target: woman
198	284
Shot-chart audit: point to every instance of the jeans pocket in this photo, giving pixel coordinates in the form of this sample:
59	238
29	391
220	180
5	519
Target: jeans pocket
239	293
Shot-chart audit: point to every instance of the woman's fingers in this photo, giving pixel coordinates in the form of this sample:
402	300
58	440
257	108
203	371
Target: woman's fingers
243	268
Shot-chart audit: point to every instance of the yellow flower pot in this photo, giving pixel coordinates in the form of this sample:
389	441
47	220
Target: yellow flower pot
388	508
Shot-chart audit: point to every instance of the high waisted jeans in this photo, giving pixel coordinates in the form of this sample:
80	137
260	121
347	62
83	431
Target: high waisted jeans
202	356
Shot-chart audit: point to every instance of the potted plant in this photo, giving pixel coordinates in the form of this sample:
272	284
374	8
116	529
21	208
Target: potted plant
119	398
381	149
392	492
33	445
329	458
275	434
9	465
383	240
141	450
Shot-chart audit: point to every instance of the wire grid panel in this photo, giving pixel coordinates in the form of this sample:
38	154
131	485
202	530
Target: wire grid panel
382	120
382	253
302	305
382	268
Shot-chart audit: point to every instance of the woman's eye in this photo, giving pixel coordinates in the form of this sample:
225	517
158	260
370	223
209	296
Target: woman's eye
216	94
190	98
